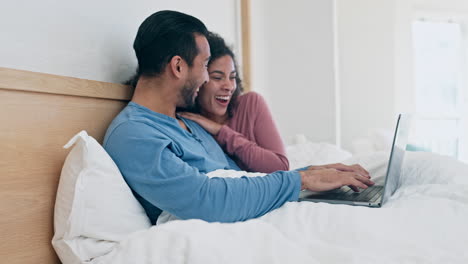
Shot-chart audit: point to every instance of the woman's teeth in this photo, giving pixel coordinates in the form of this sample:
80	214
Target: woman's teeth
223	98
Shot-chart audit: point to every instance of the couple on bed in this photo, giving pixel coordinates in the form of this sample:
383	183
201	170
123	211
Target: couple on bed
164	155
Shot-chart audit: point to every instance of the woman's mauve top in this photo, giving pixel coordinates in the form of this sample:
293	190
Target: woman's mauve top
251	137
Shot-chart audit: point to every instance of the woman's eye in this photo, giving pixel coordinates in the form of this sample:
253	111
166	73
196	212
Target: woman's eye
216	78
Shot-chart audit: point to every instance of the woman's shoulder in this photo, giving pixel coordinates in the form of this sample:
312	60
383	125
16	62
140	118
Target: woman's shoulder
251	104
251	98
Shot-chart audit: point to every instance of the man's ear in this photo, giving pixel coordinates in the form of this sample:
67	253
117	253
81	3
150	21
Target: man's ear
177	66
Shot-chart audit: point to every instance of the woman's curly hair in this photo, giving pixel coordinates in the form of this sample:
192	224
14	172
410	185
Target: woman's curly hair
218	49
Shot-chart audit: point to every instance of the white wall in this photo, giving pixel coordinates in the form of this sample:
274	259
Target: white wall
91	39
292	52
292	65
366	66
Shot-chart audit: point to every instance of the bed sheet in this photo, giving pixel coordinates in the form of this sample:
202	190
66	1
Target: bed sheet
425	221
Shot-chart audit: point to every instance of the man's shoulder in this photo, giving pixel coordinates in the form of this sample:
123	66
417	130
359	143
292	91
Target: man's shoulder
121	130
132	126
128	124
197	130
195	125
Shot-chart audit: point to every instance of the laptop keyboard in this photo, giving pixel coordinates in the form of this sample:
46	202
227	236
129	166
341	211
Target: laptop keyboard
345	193
363	196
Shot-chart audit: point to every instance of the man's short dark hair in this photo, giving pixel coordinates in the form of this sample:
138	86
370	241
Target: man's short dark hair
163	35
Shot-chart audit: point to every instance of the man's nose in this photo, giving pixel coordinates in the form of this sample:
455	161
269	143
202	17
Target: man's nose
206	76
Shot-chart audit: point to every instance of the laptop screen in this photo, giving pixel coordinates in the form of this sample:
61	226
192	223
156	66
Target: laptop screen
400	139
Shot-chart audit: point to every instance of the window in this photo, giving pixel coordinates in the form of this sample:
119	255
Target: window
439	56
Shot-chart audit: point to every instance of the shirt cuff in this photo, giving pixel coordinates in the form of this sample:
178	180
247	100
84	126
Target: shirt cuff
302	169
297	188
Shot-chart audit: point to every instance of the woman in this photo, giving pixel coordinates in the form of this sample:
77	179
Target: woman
241	124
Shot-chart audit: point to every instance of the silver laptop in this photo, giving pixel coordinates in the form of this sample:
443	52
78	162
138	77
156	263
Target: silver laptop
374	196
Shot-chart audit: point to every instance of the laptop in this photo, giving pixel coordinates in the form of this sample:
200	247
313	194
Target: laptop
377	195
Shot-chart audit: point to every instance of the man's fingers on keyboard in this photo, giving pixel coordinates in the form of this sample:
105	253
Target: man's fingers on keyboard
364	180
361	170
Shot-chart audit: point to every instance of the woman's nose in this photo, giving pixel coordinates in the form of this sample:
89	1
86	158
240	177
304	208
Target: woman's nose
228	85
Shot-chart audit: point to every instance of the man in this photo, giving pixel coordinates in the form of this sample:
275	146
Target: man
164	158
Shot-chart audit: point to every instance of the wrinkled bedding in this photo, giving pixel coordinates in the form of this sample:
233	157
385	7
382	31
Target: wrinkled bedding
425	221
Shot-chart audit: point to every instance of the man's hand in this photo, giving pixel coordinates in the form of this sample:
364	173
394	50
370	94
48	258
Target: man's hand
324	179
341	167
209	125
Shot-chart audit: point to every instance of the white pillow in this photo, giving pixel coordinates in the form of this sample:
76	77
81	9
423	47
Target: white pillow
94	208
305	153
376	140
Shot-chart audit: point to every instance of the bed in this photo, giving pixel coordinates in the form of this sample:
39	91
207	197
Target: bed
423	222
39	113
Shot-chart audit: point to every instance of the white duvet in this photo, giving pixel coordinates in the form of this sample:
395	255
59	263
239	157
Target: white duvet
425	221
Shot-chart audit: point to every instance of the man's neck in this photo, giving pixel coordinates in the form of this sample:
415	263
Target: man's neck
157	95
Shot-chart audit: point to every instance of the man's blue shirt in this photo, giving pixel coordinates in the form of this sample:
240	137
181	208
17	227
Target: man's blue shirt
166	167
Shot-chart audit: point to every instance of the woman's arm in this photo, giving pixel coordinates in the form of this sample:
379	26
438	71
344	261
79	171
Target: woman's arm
249	154
265	152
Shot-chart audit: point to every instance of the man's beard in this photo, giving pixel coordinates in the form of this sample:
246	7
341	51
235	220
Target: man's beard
187	94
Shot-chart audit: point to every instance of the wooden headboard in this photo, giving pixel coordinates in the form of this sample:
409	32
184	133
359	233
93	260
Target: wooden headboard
39	113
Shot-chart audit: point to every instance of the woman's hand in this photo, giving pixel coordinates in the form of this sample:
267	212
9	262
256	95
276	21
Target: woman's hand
209	125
